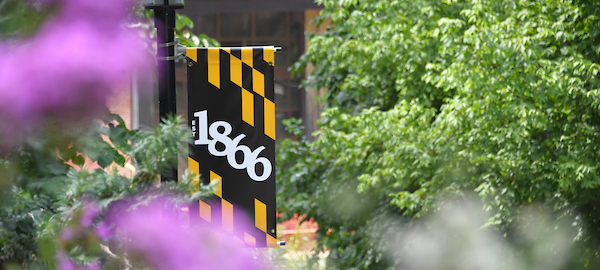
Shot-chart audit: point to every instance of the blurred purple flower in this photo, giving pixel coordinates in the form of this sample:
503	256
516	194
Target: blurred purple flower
157	233
63	261
68	70
105	10
67	234
89	212
102	231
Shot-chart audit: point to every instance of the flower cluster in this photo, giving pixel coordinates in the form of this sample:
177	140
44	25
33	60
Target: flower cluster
82	54
156	233
160	235
81	234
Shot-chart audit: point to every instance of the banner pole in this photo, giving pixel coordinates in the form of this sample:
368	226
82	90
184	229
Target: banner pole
164	21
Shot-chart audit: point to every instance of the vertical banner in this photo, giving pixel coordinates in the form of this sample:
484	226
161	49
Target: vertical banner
231	113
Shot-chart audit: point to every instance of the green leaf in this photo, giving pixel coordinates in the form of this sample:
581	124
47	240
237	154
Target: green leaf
79	160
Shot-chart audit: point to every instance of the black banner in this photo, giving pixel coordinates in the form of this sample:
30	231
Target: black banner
231	113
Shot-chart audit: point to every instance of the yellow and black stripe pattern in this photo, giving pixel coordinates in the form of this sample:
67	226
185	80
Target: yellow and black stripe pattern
235	85
227	217
252	87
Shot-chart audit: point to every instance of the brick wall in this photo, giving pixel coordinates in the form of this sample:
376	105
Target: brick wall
120	103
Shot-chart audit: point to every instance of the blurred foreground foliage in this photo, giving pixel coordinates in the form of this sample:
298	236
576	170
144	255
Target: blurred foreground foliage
429	100
19	18
47	182
48	179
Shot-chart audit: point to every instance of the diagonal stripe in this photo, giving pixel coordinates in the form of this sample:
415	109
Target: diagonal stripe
236	70
269	118
194	167
214	67
204	210
237	52
238	241
247	107
271	241
249	239
247	55
216	178
247	77
260	215
227	215
192	53
258	81
269	55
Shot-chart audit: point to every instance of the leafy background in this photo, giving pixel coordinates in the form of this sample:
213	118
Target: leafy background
431	101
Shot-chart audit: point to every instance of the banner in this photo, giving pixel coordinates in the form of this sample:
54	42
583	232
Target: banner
231	113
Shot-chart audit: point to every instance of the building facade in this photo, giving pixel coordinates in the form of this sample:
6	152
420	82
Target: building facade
280	23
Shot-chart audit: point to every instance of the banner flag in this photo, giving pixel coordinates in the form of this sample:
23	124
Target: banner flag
231	113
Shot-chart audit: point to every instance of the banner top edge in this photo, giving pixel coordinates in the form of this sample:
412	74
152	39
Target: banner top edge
238	48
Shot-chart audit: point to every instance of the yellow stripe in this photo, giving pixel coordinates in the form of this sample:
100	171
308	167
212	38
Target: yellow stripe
260	215
247	56
271	241
219	189
258	82
249	239
270	119
205	211
192	53
247	107
214	73
269	55
236	70
194	167
227	214
228	50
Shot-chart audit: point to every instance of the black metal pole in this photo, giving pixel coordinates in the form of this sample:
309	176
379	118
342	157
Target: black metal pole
164	20
163	52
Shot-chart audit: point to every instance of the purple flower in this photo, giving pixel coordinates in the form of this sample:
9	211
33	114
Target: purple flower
63	261
67	234
103	231
89	212
68	70
105	10
157	233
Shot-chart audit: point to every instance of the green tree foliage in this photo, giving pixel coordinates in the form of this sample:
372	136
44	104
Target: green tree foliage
19	18
432	99
183	27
